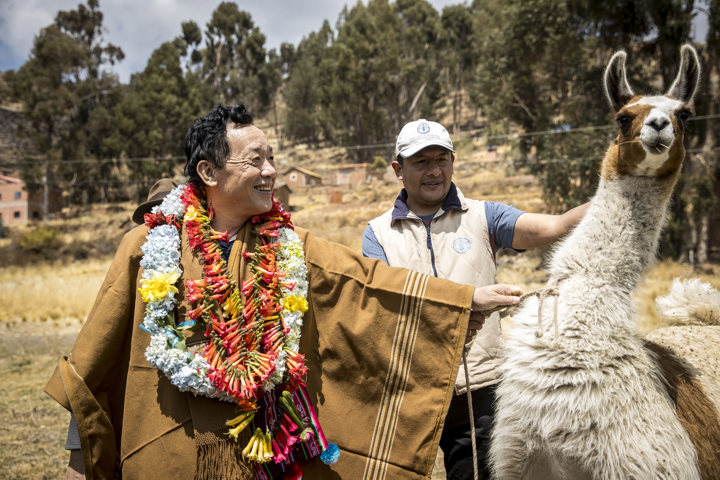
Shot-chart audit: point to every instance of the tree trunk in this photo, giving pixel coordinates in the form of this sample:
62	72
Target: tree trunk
46	186
457	99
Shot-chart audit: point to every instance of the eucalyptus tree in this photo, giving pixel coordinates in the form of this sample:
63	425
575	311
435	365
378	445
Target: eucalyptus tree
379	71
457	41
419	85
695	204
355	84
65	88
304	66
538	80
154	114
234	58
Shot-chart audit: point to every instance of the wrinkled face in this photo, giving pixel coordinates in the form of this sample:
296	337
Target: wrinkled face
650	141
426	177
244	185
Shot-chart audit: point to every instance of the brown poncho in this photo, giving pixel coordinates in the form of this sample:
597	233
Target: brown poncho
382	346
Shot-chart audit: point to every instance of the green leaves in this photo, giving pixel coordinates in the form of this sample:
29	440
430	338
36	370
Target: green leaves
526	66
356	86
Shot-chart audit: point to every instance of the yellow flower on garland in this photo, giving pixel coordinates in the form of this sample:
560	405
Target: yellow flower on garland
158	286
190	213
295	303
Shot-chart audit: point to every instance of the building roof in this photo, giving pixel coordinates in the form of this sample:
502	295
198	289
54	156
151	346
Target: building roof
304	171
350	165
7	179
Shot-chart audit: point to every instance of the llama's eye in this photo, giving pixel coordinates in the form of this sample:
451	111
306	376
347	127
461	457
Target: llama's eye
622	120
684	115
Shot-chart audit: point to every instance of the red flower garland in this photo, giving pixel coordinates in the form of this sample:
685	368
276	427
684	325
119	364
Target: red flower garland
245	340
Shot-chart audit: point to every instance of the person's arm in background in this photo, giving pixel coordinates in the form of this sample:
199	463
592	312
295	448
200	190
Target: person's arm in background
371	248
538	229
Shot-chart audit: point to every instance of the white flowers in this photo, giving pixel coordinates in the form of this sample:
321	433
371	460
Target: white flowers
172	203
291	260
161	256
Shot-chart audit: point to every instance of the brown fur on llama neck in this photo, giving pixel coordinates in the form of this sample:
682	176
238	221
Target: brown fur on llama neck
694	409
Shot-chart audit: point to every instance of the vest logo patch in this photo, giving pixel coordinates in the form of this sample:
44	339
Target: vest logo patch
461	245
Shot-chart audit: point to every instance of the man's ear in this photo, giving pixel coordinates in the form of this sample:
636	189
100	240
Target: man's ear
398	169
206	172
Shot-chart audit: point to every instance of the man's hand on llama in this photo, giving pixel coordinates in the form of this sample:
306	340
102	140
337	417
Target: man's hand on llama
498	295
489	298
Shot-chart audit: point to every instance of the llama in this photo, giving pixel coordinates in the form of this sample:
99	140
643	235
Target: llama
692	311
582	395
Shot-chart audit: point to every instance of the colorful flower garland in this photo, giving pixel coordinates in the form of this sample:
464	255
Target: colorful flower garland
253	344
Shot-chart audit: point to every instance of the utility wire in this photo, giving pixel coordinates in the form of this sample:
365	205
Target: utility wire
39	159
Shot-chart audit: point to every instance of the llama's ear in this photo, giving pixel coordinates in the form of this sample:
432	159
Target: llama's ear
685	85
617	88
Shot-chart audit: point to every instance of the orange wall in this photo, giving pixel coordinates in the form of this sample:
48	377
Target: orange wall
13	203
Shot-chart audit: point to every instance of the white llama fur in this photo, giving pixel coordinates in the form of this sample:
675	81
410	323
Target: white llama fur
692	308
690	302
585	399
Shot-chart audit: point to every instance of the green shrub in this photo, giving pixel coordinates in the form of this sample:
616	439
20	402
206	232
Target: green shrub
39	239
79	251
379	162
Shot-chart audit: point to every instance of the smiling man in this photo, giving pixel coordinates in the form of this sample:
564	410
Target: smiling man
223	337
434	229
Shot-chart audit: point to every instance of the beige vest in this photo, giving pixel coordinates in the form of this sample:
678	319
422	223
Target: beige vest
462	253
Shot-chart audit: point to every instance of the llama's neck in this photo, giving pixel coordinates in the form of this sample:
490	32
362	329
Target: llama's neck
618	237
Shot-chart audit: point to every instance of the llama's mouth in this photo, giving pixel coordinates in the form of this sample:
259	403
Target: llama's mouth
657	148
656	142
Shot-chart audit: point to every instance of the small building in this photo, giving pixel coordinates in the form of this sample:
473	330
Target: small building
492	153
296	177
335	197
17	206
389	175
282	194
352	174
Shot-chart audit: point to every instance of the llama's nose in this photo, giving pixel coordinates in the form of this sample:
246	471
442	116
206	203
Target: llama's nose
658	123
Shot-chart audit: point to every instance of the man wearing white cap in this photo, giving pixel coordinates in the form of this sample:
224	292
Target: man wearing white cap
434	229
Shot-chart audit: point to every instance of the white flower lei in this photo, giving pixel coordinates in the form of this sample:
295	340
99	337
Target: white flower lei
161	255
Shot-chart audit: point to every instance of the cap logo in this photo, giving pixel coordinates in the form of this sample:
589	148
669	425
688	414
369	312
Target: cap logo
423	128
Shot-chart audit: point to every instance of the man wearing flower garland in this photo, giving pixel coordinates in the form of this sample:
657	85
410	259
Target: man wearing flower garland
435	230
225	343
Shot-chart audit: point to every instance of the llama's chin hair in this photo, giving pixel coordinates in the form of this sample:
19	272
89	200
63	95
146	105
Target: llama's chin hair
653	161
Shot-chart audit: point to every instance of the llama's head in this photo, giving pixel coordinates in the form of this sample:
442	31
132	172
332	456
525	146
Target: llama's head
650	140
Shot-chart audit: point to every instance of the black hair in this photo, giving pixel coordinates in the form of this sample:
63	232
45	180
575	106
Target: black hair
206	139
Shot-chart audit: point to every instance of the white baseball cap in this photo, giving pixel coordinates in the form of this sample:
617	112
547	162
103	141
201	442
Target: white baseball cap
419	134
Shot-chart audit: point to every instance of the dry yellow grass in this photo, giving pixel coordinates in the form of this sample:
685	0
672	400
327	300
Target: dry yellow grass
657	282
56	294
32	425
